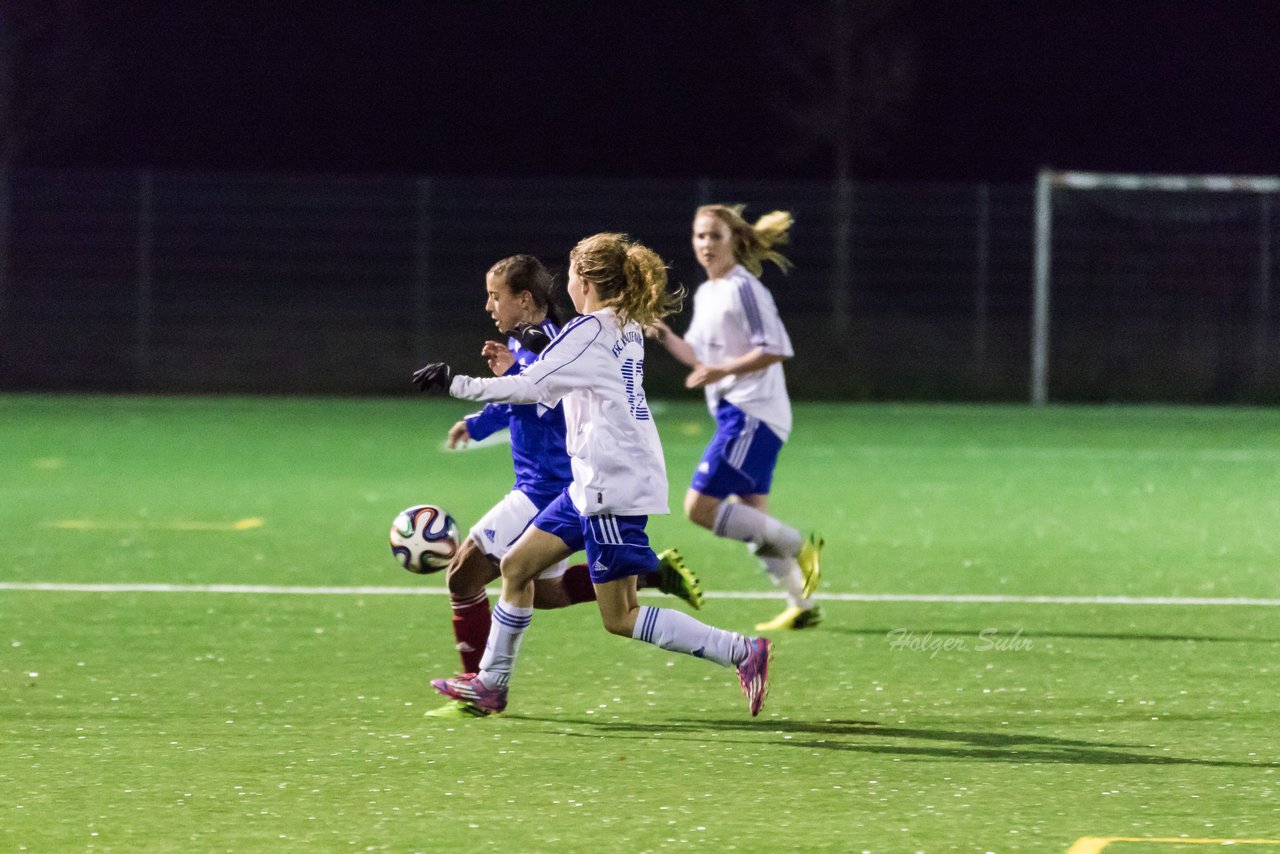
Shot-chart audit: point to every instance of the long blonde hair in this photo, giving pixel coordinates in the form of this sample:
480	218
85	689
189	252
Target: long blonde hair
629	277
753	244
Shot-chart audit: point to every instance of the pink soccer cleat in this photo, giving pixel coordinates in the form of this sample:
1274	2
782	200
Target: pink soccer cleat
469	689
753	672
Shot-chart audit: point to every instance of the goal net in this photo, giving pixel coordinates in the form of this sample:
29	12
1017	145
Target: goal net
1155	288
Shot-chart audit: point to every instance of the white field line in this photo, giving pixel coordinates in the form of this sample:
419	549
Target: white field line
1052	453
276	590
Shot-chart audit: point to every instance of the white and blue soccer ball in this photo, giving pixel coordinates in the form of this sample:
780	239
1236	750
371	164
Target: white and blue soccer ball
424	538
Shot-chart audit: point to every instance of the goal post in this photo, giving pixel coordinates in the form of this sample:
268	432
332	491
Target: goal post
1197	247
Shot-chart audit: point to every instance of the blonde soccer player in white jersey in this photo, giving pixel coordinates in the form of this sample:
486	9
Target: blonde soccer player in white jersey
736	345
595	365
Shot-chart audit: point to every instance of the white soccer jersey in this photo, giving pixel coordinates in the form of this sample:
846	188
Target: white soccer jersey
597	369
731	317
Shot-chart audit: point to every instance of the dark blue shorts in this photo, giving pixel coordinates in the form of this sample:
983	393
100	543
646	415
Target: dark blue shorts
741	457
616	546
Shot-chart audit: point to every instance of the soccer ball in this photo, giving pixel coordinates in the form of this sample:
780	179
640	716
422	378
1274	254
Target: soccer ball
424	538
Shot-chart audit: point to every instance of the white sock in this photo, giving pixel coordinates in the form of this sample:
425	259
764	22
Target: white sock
741	522
505	631
678	632
785	573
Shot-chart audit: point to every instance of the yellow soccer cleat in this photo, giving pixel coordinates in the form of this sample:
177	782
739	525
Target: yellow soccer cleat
792	619
810	563
456	709
676	579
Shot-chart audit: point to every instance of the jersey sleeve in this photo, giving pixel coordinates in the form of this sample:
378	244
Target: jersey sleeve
567	363
497	416
694	335
764	325
486	422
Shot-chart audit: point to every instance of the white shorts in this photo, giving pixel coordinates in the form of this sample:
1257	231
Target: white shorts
498	530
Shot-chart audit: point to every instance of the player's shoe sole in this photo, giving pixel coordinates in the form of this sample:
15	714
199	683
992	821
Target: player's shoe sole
469	689
792	619
810	560
457	710
753	673
676	579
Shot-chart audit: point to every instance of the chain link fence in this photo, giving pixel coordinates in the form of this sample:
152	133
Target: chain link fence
184	282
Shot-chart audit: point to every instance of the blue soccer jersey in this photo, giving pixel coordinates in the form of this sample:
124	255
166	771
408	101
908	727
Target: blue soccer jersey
537	434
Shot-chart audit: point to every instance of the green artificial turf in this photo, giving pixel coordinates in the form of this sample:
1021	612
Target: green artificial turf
247	721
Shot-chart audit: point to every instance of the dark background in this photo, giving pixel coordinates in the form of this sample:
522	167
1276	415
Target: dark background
884	89
304	196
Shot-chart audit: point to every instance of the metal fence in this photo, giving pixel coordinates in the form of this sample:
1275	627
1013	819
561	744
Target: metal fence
167	282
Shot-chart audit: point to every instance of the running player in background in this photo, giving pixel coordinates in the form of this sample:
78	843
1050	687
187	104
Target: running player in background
596	366
518	298
735	345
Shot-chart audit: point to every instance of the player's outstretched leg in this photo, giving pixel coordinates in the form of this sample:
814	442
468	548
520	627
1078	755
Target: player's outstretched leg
676	579
667	628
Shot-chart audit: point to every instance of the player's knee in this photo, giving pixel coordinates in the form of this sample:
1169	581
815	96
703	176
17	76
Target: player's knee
700	509
618	624
618	618
459	585
516	568
469	571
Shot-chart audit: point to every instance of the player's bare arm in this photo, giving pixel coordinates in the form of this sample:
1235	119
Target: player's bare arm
676	346
459	435
756	360
499	357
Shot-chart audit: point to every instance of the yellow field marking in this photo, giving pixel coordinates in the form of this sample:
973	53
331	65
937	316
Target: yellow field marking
100	525
49	463
1095	844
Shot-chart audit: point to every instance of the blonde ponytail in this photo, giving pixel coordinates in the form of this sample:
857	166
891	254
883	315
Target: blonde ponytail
630	277
753	244
646	298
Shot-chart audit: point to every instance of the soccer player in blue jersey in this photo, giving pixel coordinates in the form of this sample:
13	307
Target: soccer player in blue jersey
736	345
518	298
596	367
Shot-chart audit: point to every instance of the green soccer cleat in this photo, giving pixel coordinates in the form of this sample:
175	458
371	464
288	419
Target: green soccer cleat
810	563
457	709
676	579
792	619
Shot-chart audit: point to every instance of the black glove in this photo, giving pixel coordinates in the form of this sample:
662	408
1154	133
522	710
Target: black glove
531	337
436	375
